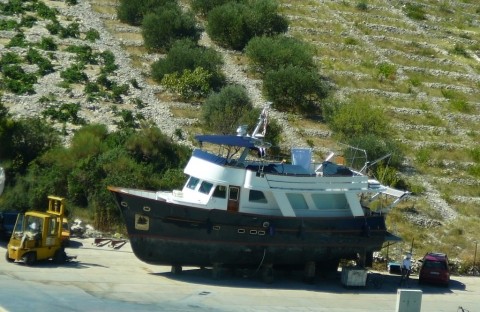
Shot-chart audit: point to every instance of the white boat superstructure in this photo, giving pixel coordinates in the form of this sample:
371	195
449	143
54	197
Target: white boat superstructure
251	184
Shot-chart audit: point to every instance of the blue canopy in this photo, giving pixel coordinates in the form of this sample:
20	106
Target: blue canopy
230	140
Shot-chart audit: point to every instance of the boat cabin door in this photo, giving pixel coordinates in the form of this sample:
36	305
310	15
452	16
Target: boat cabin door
233	198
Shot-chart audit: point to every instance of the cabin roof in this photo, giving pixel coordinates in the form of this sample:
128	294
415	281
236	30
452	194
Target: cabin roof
230	140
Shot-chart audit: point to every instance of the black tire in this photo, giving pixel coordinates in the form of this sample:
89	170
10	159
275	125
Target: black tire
30	258
60	256
8	258
176	269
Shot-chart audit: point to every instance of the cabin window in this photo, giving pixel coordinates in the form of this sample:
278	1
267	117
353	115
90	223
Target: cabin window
192	183
52	227
205	187
330	201
257	197
297	201
220	191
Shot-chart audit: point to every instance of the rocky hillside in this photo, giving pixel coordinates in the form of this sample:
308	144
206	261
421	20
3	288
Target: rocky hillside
417	60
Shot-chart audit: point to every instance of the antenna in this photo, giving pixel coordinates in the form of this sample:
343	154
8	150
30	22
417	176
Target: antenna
262	121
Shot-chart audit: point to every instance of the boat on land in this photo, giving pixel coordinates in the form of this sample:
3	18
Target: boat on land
239	209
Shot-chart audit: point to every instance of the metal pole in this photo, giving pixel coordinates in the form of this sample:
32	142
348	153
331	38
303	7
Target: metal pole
411	247
388	246
475	257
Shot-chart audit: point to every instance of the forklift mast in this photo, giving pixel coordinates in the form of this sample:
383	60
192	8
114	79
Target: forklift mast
56	205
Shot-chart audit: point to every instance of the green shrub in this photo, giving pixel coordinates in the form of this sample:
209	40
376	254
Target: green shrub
48	98
449	94
265	19
48	44
233	24
227	25
423	155
10	58
132	12
74	74
163	27
45	11
350	41
71	31
362	5
8	24
273	53
12	7
109	65
128	119
387	71
117	91
138	103
461	105
223	112
204	6
350	120
28	21
474	170
104	81
44	65
189	84
84	54
475	154
295	89
186	55
17	80
18	41
67	112
92	35
27	139
459	49
415	11
54	27
91	88
135	84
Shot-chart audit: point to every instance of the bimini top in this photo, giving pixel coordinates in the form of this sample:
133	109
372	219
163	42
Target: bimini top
230	140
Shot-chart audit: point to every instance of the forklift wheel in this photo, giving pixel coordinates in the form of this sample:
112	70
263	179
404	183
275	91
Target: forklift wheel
60	256
8	258
30	258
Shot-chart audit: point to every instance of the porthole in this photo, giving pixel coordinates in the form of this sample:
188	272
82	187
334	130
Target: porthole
146	208
123	204
216	227
253	232
241	231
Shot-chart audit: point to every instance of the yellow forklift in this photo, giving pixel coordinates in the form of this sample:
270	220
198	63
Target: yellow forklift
38	235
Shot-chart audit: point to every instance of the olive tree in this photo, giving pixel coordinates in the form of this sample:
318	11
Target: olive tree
161	28
271	53
233	24
295	89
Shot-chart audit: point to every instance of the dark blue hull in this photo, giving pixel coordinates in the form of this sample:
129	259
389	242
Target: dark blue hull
169	234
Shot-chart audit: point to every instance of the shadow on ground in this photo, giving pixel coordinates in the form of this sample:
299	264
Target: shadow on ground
293	280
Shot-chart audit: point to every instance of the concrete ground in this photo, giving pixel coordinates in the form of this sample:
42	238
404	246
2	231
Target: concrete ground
107	279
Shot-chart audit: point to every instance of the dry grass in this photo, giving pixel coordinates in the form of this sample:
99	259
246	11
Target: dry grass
185	112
